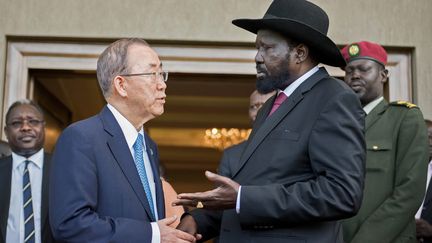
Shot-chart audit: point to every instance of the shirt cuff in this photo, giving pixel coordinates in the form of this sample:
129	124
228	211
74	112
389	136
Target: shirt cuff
238	201
155	233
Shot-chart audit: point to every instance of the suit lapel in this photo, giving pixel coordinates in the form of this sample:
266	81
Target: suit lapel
266	124
5	191
151	152
121	152
45	189
260	119
375	114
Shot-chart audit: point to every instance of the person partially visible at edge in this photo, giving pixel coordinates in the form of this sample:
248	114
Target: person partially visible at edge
24	177
302	169
170	195
424	213
396	157
105	184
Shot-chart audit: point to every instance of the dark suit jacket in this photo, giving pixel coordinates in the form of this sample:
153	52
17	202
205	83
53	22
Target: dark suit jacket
231	157
301	171
396	166
5	191
96	193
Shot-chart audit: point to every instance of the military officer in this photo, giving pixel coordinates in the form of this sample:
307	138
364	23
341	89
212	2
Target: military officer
397	153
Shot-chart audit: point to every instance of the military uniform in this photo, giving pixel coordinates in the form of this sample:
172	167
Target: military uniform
397	157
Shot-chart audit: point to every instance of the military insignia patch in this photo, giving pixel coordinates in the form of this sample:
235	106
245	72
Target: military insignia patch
354	50
404	103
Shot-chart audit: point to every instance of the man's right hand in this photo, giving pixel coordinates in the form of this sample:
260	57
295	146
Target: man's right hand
170	235
188	225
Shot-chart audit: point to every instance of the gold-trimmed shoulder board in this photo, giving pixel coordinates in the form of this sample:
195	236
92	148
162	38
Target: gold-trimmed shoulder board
404	103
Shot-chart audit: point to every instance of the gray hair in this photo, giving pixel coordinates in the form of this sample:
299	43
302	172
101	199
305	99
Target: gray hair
113	62
23	102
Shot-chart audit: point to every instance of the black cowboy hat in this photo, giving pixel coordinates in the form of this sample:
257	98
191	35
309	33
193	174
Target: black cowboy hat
301	21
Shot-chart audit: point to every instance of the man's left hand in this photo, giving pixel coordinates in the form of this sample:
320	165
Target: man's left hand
423	228
224	196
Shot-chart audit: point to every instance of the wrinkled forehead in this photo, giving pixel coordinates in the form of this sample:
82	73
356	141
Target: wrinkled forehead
24	111
260	98
362	62
269	33
143	57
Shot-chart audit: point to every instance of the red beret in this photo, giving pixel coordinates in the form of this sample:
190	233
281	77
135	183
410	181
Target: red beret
365	50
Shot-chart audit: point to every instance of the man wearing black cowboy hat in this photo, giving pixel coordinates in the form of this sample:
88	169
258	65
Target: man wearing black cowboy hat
302	168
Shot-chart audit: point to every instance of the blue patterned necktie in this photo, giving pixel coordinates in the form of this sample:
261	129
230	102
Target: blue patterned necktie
29	227
139	163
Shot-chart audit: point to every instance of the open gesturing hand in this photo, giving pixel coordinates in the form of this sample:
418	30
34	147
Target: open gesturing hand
224	196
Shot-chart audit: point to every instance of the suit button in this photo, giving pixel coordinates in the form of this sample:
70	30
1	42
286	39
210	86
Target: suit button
374	147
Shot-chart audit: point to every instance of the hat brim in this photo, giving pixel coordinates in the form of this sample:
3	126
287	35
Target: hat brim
324	48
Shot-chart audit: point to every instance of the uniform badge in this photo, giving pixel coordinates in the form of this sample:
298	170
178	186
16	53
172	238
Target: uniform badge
354	50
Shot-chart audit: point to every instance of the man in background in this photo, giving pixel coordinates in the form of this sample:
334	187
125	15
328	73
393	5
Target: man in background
105	179
24	177
256	101
424	213
397	153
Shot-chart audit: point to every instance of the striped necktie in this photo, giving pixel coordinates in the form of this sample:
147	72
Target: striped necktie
29	227
139	163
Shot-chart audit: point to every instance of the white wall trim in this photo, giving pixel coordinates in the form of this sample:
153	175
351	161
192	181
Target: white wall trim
183	58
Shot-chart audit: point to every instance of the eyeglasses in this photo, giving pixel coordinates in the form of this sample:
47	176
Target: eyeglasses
163	75
19	123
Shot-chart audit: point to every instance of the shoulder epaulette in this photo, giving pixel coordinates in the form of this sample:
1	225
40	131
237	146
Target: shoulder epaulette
404	103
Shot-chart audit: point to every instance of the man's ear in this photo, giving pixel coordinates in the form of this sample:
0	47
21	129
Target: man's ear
385	75
120	86
301	53
6	132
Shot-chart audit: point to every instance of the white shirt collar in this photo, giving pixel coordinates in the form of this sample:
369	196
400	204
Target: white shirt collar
369	107
127	128
293	86
36	159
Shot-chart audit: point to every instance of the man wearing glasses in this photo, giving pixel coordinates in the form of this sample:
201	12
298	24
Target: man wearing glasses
105	182
24	177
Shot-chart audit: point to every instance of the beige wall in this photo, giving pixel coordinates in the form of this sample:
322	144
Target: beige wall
404	23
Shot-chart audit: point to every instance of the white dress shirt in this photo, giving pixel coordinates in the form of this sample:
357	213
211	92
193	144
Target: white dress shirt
371	105
131	135
288	91
15	222
429	174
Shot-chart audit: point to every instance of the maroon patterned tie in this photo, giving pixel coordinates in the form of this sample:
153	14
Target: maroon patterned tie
278	101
